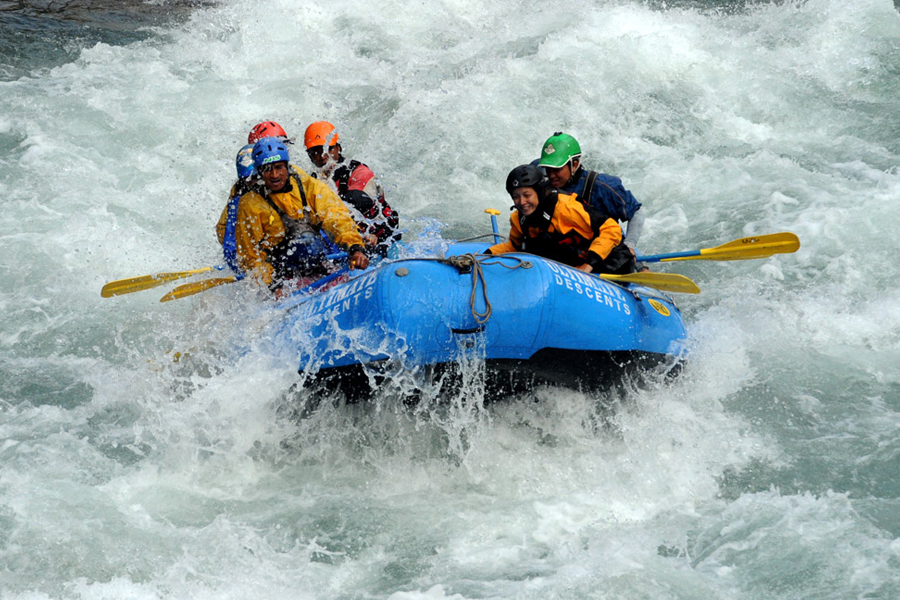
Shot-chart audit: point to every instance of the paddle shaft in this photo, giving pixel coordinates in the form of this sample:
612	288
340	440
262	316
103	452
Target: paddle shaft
323	281
760	246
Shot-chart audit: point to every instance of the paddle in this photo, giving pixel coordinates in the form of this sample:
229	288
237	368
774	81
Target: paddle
667	282
189	289
146	282
758	246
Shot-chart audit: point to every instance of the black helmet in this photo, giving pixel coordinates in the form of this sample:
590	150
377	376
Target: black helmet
527	176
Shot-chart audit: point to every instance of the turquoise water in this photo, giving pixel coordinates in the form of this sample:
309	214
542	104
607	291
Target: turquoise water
767	470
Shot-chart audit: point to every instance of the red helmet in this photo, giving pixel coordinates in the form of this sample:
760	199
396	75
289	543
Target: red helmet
320	133
266	129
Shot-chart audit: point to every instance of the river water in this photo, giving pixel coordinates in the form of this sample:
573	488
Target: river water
151	451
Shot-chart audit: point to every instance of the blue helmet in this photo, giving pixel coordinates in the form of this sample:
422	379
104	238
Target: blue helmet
244	162
268	151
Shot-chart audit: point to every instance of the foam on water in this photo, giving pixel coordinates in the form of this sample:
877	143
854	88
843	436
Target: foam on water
153	451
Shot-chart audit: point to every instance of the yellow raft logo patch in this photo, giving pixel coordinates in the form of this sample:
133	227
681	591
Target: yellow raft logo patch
660	307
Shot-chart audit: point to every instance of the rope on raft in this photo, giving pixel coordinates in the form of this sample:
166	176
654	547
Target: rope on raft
470	262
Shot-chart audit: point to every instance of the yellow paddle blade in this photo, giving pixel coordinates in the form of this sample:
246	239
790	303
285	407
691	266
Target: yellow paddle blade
667	282
757	246
189	289
145	282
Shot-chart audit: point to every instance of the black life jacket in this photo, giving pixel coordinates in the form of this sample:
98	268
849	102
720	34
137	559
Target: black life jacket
569	248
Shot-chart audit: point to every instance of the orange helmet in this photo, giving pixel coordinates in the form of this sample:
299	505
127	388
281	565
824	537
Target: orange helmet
319	134
266	129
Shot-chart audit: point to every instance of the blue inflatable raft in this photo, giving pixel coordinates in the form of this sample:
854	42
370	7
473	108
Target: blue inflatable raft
521	314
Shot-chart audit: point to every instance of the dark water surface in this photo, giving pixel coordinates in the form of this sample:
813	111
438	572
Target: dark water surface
41	34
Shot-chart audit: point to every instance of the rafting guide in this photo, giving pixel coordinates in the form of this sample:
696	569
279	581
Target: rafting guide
561	161
276	230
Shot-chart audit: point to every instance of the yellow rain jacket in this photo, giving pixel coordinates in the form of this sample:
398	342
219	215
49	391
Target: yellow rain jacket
260	227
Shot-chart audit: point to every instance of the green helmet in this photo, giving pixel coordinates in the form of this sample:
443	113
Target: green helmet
558	150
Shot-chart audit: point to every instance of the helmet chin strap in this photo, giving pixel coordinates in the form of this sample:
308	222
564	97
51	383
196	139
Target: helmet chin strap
576	163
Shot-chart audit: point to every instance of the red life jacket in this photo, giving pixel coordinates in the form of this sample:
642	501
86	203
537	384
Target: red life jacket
380	219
